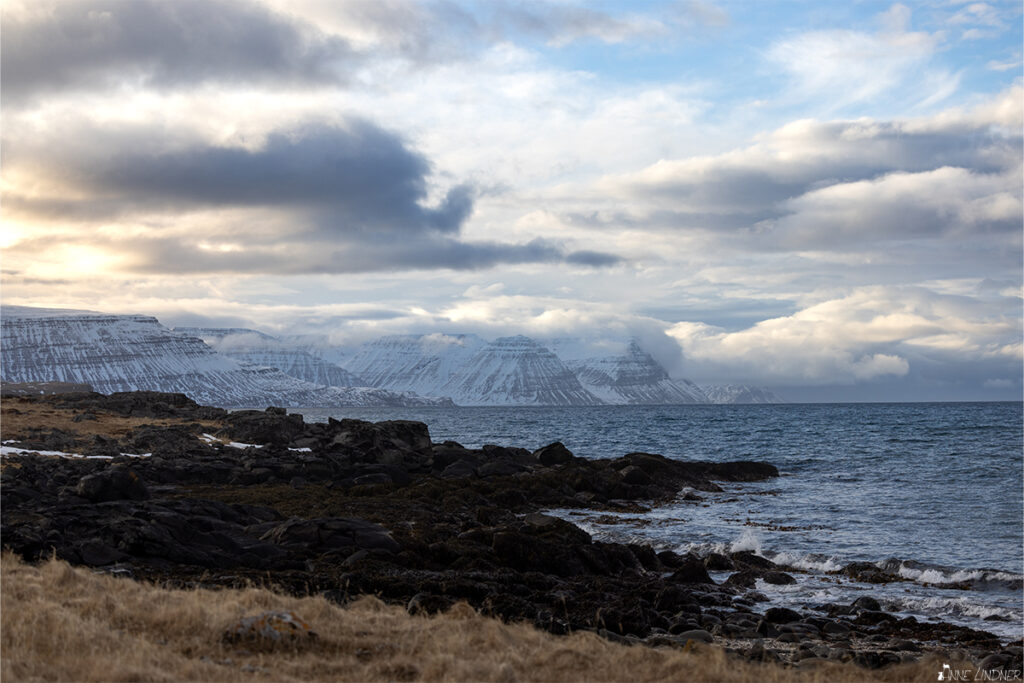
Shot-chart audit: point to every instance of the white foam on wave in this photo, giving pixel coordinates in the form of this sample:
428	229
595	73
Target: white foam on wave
808	562
956	607
748	540
703	549
938	576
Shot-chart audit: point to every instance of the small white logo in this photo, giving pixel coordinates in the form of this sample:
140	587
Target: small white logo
950	674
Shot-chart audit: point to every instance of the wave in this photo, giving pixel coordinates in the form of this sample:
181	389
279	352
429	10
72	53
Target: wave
748	540
809	562
940	575
951	607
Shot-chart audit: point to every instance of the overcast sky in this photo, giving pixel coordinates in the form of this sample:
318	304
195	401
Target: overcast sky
819	197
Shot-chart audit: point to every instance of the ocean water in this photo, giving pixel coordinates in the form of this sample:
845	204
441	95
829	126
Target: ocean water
932	492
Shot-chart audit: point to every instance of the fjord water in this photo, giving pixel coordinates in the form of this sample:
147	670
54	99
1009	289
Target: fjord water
930	491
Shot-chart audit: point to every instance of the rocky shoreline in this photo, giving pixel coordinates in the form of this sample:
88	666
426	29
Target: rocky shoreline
170	491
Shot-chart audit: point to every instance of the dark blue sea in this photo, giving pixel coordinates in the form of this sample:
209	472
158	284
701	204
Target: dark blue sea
931	492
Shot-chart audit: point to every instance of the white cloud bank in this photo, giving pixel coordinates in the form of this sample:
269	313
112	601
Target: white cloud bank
873	332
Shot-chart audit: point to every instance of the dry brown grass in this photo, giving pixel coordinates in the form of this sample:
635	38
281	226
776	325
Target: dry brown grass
61	623
18	415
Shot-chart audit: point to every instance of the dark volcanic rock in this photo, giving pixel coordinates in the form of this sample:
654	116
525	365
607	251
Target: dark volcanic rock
866	603
116	483
272	426
553	454
314	536
150	404
781	615
692	570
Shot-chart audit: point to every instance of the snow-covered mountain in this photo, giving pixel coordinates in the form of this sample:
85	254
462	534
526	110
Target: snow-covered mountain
263	350
135	352
420	363
507	371
633	378
516	371
739	393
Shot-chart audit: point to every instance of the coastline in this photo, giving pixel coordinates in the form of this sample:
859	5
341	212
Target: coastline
346	508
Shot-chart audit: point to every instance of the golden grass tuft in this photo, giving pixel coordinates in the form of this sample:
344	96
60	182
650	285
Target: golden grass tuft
61	623
19	415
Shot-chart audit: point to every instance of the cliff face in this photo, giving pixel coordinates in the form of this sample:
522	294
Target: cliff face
508	371
420	363
131	352
633	378
262	350
516	371
739	393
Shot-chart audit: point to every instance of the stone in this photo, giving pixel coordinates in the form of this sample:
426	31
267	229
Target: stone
718	562
746	559
833	628
115	483
553	454
635	476
781	615
866	602
271	628
426	603
373	479
460	469
691	571
698	635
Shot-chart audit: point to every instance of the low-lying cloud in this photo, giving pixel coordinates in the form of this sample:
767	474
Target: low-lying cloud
870	334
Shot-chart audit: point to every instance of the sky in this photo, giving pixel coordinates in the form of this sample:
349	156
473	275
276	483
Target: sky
824	198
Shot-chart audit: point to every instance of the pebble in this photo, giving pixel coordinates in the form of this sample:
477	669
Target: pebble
698	635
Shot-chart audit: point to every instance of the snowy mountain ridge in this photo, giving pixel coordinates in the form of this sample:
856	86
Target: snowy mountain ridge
633	378
245	367
508	371
262	350
739	393
135	352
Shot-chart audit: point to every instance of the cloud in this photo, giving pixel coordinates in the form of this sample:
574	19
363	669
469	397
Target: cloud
833	184
843	67
316	198
60	46
560	25
872	333
355	177
900	206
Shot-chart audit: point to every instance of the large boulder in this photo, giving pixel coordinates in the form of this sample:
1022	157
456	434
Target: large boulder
116	483
261	427
331	534
553	454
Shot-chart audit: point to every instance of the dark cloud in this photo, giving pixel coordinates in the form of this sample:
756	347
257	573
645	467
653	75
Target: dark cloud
78	45
364	254
595	259
837	185
313	199
343	180
817	155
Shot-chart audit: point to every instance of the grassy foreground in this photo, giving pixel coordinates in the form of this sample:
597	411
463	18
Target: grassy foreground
62	623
